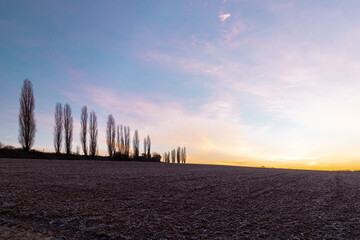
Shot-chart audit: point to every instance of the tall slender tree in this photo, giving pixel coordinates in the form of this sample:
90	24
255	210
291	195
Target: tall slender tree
145	146
27	123
93	132
110	135
68	128
183	155
136	144
118	137
148	142
83	132
58	128
173	156
127	141
178	155
122	141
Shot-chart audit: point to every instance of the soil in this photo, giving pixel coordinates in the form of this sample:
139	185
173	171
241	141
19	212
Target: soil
59	199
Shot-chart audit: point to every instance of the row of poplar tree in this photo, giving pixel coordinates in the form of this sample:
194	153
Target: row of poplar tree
176	156
117	137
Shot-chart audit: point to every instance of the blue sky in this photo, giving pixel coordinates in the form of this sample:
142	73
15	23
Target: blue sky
271	83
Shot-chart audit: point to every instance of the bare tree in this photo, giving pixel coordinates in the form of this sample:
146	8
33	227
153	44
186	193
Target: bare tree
136	144
93	132
145	146
83	132
178	153
118	137
127	141
167	157
122	141
173	155
58	128
183	155
27	124
68	128
148	142
110	135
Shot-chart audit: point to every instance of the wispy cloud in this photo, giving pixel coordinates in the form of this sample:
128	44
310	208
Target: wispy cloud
236	29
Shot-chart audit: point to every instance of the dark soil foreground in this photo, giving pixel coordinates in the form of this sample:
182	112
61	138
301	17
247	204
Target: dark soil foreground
58	199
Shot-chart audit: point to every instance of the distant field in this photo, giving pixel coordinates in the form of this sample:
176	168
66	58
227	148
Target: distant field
132	200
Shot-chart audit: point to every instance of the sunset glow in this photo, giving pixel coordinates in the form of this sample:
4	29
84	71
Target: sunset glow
248	83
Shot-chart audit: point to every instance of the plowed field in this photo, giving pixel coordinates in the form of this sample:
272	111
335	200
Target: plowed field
58	199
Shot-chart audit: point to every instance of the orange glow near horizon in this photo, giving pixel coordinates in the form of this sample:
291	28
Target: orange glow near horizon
335	164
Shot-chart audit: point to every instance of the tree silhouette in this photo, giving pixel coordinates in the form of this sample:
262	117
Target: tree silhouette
93	132
148	142
68	128
145	146
136	144
58	128
178	155
27	124
110	135
183	155
122	141
83	132
118	137
167	157
156	157
173	155
127	141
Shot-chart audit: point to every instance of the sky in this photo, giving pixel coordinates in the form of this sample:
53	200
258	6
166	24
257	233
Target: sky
271	83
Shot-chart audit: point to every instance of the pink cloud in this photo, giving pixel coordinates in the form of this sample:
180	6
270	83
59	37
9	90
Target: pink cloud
236	29
190	65
133	108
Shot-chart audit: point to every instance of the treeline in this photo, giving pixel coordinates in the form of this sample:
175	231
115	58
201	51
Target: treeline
118	137
175	156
